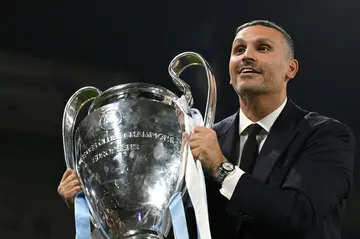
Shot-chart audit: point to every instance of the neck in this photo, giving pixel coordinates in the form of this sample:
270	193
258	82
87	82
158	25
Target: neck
256	107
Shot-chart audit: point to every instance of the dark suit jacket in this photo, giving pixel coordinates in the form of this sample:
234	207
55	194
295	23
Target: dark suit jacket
302	178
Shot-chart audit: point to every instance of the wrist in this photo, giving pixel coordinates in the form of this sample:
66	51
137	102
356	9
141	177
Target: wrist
218	164
224	170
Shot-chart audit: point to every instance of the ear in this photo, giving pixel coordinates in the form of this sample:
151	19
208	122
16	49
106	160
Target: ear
292	69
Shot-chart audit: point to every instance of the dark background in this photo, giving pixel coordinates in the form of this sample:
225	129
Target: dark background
49	49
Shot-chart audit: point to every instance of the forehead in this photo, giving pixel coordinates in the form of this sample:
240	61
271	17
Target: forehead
255	33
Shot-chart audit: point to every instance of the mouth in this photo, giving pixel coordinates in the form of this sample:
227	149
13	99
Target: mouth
247	70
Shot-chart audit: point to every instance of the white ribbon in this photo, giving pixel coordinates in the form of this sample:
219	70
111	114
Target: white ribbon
194	176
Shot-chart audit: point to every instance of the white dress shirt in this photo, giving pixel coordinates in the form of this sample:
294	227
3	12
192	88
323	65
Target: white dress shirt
230	182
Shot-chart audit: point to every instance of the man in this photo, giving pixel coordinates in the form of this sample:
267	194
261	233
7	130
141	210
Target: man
280	171
273	169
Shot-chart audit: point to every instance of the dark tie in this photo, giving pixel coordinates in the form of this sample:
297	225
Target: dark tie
251	149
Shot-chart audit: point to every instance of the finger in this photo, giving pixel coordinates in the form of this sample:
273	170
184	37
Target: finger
201	129
70	178
68	172
75	191
70	195
64	188
195	144
197	136
196	153
69	186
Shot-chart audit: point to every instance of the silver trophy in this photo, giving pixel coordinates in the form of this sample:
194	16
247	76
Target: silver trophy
128	151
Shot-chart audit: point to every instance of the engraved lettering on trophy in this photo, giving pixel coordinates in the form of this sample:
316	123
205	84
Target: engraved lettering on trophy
125	135
110	119
115	150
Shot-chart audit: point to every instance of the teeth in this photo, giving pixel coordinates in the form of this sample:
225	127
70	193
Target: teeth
247	70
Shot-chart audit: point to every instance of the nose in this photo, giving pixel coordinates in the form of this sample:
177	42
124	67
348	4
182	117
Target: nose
249	55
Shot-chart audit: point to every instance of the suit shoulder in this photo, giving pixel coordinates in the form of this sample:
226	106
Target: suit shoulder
222	126
320	123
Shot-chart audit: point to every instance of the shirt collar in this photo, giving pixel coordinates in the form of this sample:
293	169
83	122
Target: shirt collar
266	123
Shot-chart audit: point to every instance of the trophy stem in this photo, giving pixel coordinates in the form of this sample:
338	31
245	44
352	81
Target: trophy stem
144	234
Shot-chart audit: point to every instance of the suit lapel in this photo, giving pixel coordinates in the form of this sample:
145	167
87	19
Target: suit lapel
229	138
280	135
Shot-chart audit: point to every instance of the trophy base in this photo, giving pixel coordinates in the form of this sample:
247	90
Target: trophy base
144	234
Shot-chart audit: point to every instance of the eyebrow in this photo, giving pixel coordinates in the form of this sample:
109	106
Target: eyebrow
258	41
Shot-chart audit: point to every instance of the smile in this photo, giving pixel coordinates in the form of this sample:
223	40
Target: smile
248	73
247	70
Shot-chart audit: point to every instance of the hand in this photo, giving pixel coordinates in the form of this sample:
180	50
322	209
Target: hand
205	147
69	186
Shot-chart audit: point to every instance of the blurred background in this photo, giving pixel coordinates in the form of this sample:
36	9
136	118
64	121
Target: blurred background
49	49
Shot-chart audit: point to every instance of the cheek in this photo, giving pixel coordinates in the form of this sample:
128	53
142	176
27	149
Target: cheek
276	69
233	63
278	75
282	73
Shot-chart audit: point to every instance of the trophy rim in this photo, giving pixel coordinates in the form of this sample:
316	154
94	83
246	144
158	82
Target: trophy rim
119	91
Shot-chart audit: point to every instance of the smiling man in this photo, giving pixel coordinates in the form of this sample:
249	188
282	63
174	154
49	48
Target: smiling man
274	170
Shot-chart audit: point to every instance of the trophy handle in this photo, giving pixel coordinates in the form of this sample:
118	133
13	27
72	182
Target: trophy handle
178	65
71	111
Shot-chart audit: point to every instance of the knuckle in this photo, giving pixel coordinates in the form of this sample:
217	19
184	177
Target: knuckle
59	189
75	181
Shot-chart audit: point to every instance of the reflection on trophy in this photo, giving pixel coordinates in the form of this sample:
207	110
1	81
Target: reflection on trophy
129	150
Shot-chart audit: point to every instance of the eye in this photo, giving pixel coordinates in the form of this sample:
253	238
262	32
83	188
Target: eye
264	48
239	50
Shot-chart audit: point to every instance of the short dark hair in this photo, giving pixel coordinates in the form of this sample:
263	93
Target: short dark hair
272	25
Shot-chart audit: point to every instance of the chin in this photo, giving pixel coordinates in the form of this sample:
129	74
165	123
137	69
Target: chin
250	90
